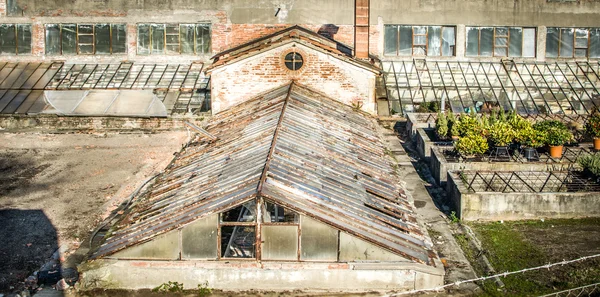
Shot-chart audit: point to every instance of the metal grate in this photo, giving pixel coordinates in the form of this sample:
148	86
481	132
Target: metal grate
528	181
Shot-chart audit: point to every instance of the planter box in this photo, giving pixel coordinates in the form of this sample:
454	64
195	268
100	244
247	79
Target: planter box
415	121
495	206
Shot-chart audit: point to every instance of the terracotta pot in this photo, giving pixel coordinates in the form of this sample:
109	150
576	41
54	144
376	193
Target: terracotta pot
556	151
596	143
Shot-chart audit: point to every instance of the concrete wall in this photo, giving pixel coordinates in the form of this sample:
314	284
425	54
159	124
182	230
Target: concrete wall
415	121
239	81
51	123
251	275
494	206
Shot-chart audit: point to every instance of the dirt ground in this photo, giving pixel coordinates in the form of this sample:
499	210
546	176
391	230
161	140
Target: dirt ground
56	188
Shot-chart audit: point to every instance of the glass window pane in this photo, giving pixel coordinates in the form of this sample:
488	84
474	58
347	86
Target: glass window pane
273	213
390	45
319	242
158	38
238	241
501	31
434	41
186	32
199	239
164	247
580	52
516	42
279	242
53	39
419	40
566	42
529	42
69	39
420	30
501	41
448	41
405	40
24	39
203	41
172	39
86	49
355	249
242	213
486	42
102	38
500	51
472	41
143	39
552	41
85	29
119	39
595	43
8	39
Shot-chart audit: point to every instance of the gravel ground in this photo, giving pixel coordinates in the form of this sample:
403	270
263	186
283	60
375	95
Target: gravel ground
56	188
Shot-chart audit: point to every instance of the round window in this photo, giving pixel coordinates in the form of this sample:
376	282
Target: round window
293	61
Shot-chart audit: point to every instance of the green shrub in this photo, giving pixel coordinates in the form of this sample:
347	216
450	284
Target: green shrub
590	163
469	124
547	124
441	125
557	132
592	127
169	287
472	144
502	133
531	137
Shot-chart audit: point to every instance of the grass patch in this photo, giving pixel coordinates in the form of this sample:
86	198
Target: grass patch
512	246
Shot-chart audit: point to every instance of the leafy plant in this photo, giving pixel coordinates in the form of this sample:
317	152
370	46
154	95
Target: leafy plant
531	137
453	218
169	287
502	133
204	290
432	106
472	144
557	132
590	163
592	127
468	125
441	125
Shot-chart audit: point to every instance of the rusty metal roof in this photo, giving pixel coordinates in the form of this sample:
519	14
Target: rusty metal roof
293	146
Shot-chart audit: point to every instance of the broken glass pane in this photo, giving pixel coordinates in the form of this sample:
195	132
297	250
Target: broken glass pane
186	32
405	41
529	42
119	39
24	38
69	39
516	42
390	45
242	213
102	38
199	239
595	43
279	242
203	41
434	41
552	41
319	241
238	241
486	42
566	42
8	39
53	39
143	39
273	213
448	41
158	38
472	41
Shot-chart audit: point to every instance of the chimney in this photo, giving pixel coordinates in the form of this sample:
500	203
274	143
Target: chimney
361	29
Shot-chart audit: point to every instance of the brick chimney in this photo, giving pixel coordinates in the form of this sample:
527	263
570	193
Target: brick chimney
361	29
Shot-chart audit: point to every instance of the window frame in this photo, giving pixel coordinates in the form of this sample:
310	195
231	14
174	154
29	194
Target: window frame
496	37
575	47
167	43
424	46
78	45
16	38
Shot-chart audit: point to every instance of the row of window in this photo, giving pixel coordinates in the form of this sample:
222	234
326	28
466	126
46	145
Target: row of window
405	40
15	39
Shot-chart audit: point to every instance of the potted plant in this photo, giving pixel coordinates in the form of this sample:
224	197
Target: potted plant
557	134
501	134
471	145
592	127
530	140
441	126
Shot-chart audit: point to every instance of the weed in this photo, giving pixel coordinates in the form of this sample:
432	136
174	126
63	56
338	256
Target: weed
204	290
169	287
453	218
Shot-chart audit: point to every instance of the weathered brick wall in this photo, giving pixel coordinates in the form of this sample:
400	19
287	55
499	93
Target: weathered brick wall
238	82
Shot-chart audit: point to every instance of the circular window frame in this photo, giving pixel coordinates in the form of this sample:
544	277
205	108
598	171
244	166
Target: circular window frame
302	55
